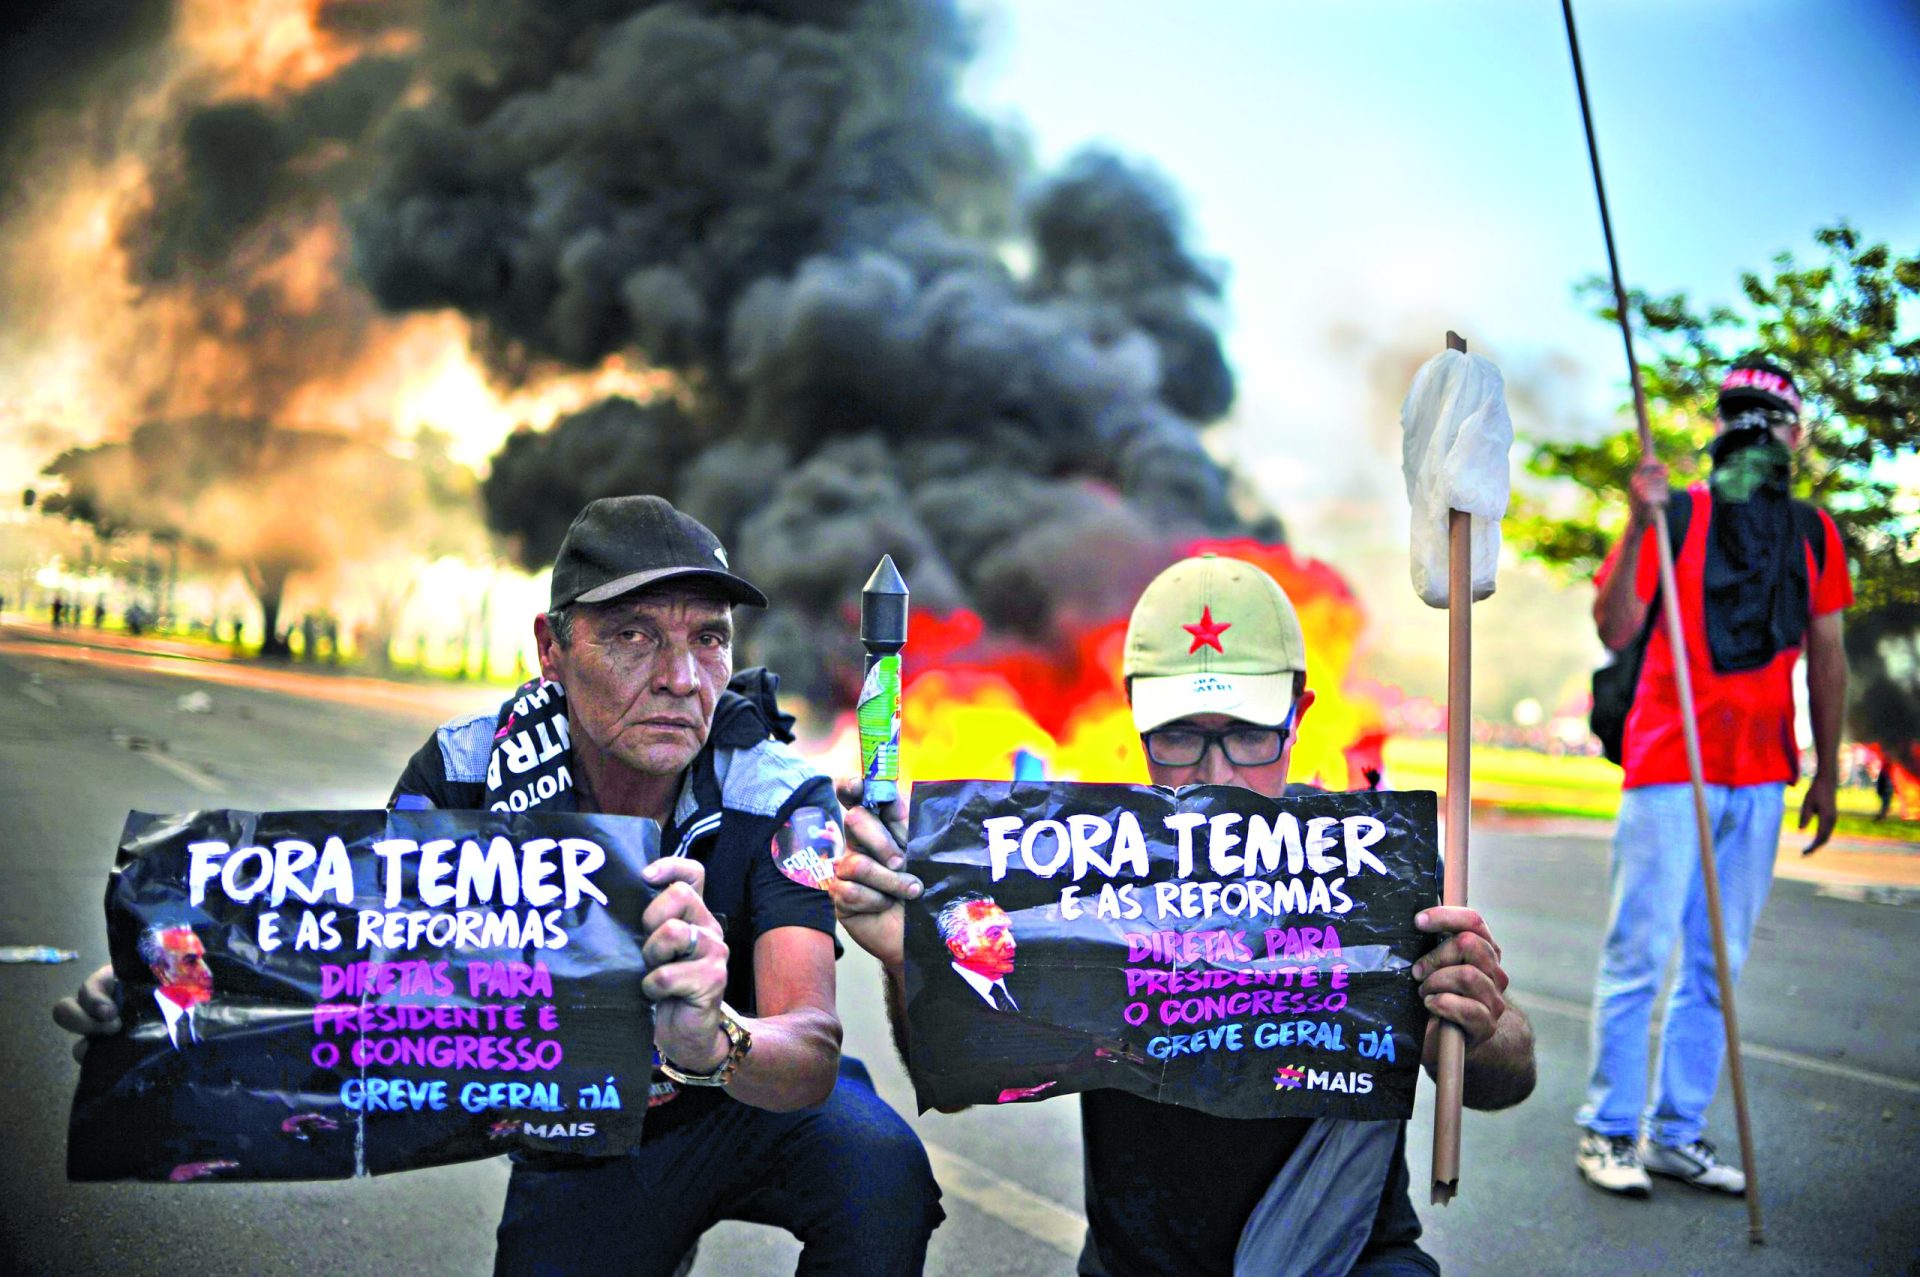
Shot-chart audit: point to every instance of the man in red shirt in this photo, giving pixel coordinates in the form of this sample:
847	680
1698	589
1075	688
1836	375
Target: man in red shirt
1760	576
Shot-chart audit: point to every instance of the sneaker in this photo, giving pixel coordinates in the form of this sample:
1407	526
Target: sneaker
1694	1164
1612	1162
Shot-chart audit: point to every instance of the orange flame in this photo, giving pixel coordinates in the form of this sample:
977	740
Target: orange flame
1904	766
280	329
968	709
266	48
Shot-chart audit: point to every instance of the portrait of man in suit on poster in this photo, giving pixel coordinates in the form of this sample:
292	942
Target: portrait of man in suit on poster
979	935
178	961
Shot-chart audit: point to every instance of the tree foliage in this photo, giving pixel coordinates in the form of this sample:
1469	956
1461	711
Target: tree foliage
265	501
1838	325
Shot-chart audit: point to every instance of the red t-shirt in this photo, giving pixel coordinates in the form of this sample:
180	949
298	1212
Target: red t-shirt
1746	718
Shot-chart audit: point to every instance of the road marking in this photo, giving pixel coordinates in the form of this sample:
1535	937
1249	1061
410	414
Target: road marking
1039	1217
1748	1050
34	692
368	693
185	771
1870	893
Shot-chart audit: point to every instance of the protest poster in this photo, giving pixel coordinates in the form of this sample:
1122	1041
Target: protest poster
1208	947
321	995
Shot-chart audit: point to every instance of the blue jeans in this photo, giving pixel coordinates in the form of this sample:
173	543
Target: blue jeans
1659	896
848	1178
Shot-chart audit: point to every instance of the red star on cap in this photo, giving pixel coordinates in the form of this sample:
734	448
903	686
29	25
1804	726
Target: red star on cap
1206	633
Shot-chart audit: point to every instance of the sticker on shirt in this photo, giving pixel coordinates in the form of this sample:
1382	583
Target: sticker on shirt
808	846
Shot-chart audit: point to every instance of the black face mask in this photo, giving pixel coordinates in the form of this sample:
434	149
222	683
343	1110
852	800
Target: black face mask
1756	582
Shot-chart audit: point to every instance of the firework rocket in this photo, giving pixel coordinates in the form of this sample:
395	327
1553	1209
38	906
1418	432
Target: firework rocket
883	632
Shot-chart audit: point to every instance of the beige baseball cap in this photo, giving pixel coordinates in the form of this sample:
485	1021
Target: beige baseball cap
1213	635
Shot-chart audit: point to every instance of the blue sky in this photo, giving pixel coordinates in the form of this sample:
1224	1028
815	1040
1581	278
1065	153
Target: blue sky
1386	167
1372	173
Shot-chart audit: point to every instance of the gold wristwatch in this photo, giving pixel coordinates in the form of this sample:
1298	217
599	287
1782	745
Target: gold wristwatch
739	1042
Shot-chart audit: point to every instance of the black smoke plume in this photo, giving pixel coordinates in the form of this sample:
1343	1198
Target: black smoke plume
884	347
1883	660
55	54
234	304
238	163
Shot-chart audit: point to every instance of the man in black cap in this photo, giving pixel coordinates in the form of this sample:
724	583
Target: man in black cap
637	712
1759	576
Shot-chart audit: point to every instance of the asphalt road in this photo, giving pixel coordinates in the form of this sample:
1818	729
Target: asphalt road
1828	1004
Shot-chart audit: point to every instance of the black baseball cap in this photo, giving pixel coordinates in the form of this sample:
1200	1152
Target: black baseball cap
621	544
1755	381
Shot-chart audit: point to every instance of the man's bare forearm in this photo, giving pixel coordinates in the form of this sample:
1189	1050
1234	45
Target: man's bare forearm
1500	1071
1826	692
1618	610
794	1062
895	980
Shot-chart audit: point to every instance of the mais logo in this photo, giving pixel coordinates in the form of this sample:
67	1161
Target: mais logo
1289	1077
560	1130
1346	1083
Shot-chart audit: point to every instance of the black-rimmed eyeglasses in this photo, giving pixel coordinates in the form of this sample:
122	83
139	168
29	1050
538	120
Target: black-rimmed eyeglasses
1248	746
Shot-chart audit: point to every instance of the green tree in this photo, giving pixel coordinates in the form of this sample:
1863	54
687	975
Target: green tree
1846	328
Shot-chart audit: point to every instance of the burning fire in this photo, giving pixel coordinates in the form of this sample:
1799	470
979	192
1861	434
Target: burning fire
1904	765
428	376
200	268
971	712
280	328
267	48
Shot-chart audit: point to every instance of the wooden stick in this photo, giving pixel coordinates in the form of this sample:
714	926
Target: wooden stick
1450	1073
1682	676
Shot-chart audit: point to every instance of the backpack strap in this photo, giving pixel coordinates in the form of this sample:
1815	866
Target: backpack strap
1813	530
1679	518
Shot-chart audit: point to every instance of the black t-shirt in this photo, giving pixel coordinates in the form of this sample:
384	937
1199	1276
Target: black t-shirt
1169	1188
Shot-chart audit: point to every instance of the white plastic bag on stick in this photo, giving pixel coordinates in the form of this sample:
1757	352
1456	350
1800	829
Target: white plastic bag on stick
1454	455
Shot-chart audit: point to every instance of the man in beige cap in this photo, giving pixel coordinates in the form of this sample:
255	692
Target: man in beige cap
1216	670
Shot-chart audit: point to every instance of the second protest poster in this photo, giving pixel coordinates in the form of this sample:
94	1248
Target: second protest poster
1208	947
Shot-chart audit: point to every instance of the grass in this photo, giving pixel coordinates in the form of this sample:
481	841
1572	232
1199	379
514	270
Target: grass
1529	783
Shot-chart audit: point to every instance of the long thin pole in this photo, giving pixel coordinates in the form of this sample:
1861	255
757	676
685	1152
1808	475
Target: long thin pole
1682	675
1450	1071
